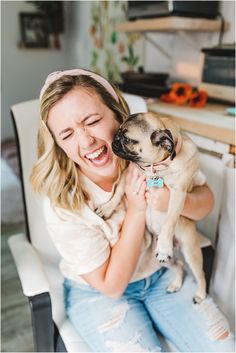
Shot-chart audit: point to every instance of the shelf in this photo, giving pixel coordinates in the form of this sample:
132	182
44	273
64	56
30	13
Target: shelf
171	24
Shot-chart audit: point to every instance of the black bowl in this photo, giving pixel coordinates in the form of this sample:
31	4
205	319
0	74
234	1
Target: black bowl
158	78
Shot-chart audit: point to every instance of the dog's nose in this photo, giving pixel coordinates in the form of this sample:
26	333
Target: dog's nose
117	136
116	143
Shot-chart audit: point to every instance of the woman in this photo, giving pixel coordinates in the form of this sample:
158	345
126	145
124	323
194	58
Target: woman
115	290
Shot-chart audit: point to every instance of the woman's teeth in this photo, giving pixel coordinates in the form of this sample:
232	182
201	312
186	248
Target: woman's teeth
96	153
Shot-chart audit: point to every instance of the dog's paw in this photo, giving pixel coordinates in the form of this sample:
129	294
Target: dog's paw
173	287
103	213
99	212
164	254
161	257
164	248
199	296
197	299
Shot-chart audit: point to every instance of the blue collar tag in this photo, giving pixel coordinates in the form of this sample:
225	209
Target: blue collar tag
157	183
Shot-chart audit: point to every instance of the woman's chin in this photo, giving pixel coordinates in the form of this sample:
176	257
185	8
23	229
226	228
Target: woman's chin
105	169
109	169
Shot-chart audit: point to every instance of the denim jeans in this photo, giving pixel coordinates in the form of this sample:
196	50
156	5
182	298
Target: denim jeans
131	323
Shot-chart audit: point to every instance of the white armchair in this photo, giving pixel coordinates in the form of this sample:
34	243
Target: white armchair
34	253
35	256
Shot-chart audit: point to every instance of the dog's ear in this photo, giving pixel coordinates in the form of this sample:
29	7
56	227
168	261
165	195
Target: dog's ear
164	139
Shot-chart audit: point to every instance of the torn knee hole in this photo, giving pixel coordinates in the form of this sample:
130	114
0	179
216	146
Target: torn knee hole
218	328
223	336
118	314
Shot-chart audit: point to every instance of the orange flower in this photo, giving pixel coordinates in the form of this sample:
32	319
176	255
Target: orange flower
166	98
180	93
198	99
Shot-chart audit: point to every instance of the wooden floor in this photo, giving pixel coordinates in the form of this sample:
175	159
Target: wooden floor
16	331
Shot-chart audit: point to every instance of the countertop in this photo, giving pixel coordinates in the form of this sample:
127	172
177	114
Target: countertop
212	121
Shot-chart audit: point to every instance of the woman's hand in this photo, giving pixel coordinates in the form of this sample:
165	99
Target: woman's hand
135	187
158	198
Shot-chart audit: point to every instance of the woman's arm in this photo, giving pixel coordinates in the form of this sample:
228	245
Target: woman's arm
198	203
114	275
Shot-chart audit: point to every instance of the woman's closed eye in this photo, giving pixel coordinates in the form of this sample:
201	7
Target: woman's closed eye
66	137
65	133
93	122
88	123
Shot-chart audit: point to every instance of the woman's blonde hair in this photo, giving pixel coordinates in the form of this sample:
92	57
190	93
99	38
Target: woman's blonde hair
54	174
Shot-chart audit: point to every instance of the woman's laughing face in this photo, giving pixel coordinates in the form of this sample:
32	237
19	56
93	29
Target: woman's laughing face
83	126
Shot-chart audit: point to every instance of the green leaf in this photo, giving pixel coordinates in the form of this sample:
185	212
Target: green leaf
95	57
136	60
114	37
125	59
131	51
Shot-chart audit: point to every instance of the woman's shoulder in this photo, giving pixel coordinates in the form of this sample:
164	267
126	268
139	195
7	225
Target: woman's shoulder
55	213
61	217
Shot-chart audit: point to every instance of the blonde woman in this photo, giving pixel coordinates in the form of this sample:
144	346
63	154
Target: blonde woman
115	290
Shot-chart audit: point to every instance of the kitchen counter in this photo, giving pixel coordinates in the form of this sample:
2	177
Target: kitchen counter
212	121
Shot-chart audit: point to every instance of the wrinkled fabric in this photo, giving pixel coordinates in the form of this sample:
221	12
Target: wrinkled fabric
131	323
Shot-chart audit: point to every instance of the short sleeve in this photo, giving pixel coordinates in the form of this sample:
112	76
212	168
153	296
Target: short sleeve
83	248
80	247
199	178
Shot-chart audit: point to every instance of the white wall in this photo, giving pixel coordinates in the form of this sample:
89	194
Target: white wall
23	70
79	44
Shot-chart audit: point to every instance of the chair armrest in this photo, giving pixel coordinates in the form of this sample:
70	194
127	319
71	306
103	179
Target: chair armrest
36	287
30	270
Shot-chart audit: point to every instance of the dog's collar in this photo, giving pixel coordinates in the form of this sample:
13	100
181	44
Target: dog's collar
155	167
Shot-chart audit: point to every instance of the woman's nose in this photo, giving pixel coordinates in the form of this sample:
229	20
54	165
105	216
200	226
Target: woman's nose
84	138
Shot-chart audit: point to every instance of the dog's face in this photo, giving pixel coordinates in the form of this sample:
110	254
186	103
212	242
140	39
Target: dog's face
145	138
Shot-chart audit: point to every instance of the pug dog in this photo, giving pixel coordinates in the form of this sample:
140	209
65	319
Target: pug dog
167	157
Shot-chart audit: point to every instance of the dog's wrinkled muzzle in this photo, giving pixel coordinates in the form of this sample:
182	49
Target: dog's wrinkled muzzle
116	143
119	148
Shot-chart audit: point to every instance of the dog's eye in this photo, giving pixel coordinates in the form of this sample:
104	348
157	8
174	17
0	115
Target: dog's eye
127	140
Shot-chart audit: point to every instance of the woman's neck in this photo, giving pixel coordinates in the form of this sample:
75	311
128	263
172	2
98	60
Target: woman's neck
105	183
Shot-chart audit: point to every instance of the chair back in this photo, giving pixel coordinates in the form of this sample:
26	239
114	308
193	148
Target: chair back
26	122
214	169
26	119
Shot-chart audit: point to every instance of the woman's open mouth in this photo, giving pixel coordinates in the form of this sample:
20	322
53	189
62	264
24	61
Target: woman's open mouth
99	157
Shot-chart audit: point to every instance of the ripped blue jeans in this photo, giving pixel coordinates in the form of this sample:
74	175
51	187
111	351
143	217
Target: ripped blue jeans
131	323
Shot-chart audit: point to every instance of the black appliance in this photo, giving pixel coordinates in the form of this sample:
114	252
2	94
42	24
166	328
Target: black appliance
147	84
218	72
152	9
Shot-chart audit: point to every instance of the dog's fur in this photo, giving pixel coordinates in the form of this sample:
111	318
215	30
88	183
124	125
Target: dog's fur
148	138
